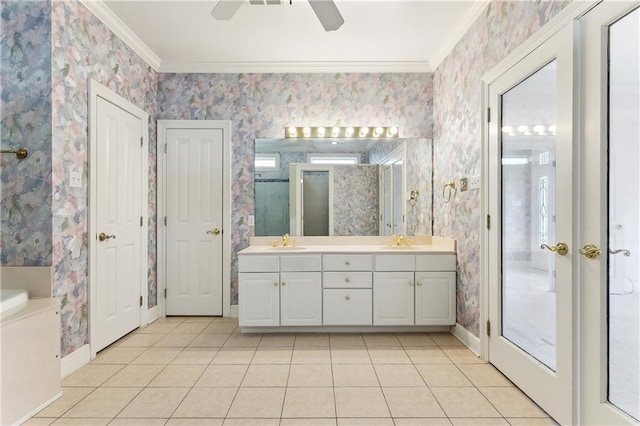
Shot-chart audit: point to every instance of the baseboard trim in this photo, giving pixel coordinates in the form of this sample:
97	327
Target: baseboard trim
152	315
234	312
40	408
467	338
75	360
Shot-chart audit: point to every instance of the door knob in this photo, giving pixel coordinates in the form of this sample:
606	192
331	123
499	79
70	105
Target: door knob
590	251
560	248
103	237
625	252
215	231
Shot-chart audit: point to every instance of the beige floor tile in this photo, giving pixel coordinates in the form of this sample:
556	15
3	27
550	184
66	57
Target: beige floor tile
342	355
175	340
445	340
70	397
204	319
220	328
308	422
178	375
266	376
251	422
272	355
464	402
311	355
398	375
176	421
530	421
257	403
462	356
412	402
222	376
39	421
360	402
279	340
103	402
190	327
484	375
137	422
134	375
414	340
140	340
512	402
169	319
206	402
478	422
309	402
162	356
209	340
158	327
433	421
313	340
381	340
195	356
385	421
427	356
117	355
310	375
346	375
243	340
439	375
91	375
349	340
234	356
389	356
155	403
67	421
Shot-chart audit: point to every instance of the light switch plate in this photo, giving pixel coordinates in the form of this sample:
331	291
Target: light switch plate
474	182
251	219
75	179
464	184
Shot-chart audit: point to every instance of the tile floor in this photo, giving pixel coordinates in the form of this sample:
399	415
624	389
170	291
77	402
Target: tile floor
203	371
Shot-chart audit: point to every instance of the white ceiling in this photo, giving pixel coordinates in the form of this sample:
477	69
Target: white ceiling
377	36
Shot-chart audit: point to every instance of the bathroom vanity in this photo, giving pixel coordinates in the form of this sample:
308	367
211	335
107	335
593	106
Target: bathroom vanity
347	283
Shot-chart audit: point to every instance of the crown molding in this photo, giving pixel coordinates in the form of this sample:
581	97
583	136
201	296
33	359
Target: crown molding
107	17
296	67
457	32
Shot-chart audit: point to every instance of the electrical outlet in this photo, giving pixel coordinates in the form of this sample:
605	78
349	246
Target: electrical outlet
252	220
75	179
464	184
474	182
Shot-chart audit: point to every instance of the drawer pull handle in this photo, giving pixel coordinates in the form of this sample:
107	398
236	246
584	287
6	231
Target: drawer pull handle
347	298
419	283
283	284
347	280
275	284
347	263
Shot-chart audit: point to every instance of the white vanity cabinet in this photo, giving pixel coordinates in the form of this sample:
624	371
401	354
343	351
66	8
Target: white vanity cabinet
347	289
435	290
393	283
259	290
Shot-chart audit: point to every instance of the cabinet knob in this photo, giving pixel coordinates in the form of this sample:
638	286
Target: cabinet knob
275	284
347	263
411	283
283	284
347	298
419	283
347	280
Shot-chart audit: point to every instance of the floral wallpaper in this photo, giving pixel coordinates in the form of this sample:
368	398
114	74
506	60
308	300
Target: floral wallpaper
25	122
261	105
419	177
83	49
355	200
503	26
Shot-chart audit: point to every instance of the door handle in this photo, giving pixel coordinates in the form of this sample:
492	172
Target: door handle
103	237
590	251
625	252
215	231
560	248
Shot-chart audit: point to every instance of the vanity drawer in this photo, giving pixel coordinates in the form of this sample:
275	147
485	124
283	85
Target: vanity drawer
258	263
436	262
347	307
346	279
347	262
301	263
395	262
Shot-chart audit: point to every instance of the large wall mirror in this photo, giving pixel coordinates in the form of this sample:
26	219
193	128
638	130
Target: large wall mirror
357	187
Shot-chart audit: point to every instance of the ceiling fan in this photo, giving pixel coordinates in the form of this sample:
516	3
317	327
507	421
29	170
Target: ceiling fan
326	11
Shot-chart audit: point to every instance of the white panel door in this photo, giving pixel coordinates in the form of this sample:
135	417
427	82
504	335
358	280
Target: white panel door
194	221
119	223
393	298
301	298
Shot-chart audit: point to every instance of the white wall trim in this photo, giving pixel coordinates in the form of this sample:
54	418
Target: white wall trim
467	338
235	311
108	18
97	90
455	34
162	126
152	314
75	360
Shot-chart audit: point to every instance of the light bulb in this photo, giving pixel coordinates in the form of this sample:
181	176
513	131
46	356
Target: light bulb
553	129
292	131
539	129
377	132
524	130
392	131
364	131
306	132
349	132
335	132
321	131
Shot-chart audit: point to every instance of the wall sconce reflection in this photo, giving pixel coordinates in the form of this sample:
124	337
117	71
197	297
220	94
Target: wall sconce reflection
413	197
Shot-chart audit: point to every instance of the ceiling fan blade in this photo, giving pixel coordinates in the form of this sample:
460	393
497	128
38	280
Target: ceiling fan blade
225	9
327	13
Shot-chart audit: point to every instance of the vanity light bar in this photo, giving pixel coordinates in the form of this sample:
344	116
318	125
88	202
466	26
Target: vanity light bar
342	132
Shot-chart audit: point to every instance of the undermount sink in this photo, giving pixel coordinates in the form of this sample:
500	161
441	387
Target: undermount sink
399	247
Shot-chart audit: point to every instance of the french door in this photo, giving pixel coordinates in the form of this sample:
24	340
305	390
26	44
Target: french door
610	215
531	172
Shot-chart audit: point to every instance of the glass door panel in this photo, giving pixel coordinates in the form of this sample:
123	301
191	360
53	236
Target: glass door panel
528	214
623	286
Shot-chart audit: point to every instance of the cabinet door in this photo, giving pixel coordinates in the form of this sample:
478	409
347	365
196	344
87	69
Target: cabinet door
301	298
259	299
393	301
435	298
